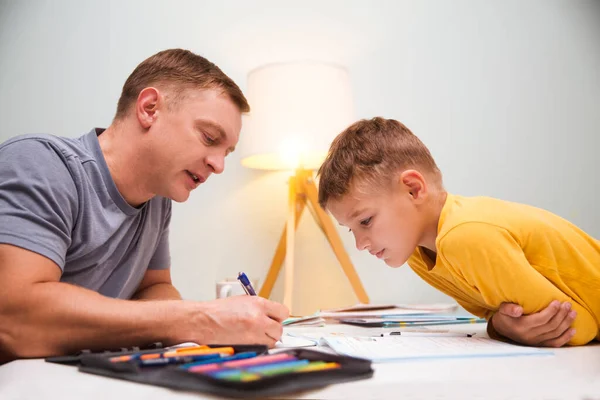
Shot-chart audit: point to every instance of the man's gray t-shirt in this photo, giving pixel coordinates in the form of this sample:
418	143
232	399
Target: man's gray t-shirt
58	199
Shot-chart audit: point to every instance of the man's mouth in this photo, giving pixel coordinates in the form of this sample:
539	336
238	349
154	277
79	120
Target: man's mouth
196	178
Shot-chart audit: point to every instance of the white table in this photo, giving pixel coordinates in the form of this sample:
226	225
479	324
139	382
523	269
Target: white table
571	373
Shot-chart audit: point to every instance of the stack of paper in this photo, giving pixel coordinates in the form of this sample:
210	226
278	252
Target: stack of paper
390	315
368	311
395	348
311	320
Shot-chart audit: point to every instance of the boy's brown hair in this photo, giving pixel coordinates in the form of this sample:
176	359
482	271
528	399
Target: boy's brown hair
372	152
179	69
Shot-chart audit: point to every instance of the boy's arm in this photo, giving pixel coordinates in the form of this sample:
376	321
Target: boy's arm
492	261
550	327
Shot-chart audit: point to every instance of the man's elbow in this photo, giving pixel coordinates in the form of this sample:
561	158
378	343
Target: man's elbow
17	340
9	343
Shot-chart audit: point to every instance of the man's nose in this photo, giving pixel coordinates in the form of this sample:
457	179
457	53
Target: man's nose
216	163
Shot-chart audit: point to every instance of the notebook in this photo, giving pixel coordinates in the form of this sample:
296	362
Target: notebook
397	348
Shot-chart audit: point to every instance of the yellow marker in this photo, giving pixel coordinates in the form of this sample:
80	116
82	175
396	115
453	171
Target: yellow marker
318	366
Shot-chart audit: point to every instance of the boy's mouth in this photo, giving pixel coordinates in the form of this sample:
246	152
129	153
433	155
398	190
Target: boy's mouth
378	254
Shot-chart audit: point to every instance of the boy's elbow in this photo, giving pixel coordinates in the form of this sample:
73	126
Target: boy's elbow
583	336
586	329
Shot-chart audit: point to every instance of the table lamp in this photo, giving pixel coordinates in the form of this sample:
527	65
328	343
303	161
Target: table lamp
297	109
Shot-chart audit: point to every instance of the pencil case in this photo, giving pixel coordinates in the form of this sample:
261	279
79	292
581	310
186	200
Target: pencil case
75	359
296	370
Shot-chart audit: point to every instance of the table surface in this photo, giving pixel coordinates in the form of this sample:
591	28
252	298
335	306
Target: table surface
571	373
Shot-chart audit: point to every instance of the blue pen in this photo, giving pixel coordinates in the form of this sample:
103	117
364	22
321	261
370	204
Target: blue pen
246	284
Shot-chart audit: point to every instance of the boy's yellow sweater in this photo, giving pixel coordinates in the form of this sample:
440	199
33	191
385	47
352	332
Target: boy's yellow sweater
492	251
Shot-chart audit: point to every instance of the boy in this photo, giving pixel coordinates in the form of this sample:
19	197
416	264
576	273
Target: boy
381	182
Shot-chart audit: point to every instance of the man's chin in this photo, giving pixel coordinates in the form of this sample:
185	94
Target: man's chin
179	197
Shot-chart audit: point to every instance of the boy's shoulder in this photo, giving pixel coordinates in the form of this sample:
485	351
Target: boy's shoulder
489	212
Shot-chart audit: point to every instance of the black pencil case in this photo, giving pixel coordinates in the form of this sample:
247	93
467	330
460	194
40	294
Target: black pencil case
75	359
171	376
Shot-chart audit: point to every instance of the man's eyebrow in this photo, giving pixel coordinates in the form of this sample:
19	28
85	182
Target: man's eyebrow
219	129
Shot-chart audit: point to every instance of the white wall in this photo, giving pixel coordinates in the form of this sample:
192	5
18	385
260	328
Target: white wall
506	94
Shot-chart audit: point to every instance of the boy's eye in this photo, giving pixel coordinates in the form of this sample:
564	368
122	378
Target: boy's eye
366	222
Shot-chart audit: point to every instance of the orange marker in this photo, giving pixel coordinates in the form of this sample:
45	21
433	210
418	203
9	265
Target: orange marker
196	352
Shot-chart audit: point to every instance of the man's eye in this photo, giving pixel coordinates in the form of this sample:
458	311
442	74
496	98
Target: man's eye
209	139
366	222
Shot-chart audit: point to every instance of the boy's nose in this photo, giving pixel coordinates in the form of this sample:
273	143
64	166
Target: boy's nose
361	242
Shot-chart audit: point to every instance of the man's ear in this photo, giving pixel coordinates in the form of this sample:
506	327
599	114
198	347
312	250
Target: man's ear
146	107
414	184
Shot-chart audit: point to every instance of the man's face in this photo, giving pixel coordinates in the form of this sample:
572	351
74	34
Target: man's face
191	140
384	222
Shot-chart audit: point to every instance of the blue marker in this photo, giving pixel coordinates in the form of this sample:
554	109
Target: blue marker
239	356
179	359
246	284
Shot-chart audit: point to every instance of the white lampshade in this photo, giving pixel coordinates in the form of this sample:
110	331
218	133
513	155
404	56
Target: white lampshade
297	109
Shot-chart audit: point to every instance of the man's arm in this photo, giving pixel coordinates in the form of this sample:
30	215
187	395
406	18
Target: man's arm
40	316
492	261
157	285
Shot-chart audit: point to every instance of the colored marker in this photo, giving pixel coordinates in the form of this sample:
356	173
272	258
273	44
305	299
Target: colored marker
254	361
216	362
318	366
193	352
236	375
156	354
261	360
179	359
277	368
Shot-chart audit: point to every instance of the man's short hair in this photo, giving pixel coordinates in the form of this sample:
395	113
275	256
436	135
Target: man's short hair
178	70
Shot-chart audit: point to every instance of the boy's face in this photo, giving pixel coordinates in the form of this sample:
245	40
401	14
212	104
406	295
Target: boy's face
386	222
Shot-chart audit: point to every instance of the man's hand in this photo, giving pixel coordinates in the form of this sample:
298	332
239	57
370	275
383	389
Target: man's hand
236	320
547	328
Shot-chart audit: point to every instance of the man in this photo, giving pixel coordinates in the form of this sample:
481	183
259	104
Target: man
84	223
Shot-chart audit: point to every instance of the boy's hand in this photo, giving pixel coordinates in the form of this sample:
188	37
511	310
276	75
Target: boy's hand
547	328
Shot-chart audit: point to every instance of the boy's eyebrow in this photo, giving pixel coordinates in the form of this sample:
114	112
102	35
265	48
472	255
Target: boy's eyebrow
355	213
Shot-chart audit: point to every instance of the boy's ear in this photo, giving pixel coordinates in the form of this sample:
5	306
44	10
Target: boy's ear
414	184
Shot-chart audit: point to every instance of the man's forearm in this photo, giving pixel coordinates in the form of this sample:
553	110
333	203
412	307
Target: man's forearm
159	291
58	318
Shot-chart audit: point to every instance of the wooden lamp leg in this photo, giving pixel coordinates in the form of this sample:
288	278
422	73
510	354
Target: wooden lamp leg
280	253
288	286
